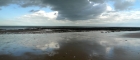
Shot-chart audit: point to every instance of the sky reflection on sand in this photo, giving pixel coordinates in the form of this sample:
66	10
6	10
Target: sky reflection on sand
69	46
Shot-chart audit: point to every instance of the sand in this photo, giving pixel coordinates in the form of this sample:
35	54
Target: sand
92	45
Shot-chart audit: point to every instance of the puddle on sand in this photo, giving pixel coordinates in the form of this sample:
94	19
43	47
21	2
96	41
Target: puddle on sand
69	46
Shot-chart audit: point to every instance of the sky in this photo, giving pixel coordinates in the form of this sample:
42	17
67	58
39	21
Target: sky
114	13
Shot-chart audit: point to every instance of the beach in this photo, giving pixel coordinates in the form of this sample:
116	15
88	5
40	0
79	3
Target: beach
92	45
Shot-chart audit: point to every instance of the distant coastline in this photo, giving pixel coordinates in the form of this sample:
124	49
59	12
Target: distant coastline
60	29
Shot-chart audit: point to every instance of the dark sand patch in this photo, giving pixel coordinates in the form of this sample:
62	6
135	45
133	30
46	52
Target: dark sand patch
132	35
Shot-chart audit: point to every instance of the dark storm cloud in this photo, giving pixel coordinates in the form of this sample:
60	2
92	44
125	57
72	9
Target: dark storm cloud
22	3
33	10
29	3
77	9
5	2
98	1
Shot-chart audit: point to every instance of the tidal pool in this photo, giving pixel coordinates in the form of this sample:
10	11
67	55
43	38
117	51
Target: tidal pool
92	45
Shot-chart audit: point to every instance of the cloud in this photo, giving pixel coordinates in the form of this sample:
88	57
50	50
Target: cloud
73	10
5	2
77	9
113	18
42	14
123	4
120	17
22	3
106	18
68	9
33	10
29	3
98	1
40	18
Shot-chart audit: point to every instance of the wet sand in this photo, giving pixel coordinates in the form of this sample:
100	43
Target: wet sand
92	45
132	35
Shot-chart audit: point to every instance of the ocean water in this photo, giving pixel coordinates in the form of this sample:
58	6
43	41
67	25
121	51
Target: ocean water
92	45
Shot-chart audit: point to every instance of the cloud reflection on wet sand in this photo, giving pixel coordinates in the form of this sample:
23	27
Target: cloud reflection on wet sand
68	46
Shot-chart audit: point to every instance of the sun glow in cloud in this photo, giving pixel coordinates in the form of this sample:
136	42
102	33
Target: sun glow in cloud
109	8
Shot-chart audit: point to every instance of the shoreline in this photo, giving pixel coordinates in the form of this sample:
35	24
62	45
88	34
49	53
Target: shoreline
42	30
34	31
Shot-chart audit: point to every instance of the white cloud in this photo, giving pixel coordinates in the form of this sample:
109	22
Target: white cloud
120	17
41	18
41	15
114	18
109	8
